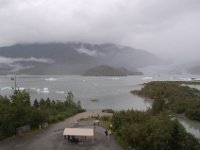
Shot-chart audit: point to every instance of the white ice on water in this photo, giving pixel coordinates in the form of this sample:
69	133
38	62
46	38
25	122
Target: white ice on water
50	79
60	92
147	78
45	90
7	88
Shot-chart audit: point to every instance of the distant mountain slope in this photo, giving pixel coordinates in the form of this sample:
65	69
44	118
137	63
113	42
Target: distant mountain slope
194	69
191	67
105	70
70	58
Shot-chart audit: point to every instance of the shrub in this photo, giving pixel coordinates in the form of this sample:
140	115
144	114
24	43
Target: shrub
105	118
52	119
108	110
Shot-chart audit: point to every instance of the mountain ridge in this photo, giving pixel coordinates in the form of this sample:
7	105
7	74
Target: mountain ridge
71	57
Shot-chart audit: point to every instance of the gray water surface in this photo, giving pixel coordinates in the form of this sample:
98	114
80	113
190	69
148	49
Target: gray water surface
191	126
110	92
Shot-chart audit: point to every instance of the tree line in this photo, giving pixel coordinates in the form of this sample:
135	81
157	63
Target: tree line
137	130
172	96
17	111
154	129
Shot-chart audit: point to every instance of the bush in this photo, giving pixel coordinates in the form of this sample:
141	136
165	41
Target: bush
193	114
2	135
38	117
105	118
52	119
108	110
60	116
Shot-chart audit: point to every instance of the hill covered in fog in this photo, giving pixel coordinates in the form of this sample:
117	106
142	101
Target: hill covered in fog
70	58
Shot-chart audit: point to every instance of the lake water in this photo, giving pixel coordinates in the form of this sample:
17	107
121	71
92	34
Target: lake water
192	127
109	92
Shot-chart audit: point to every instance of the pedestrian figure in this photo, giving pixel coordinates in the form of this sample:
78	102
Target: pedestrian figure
106	133
109	133
110	126
68	138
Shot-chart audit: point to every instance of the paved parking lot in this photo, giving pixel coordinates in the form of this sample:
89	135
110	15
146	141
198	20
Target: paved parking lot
52	138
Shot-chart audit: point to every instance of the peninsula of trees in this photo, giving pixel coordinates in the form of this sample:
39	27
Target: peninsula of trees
176	97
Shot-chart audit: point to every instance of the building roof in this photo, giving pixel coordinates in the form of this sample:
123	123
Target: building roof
78	132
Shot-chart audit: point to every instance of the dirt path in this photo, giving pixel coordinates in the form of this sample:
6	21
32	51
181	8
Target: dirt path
52	139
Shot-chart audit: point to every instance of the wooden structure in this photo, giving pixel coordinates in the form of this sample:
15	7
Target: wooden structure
79	132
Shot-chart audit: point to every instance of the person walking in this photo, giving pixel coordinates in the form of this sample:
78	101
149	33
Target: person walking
106	133
110	133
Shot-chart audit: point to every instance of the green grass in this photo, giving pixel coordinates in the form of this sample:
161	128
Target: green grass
105	118
108	110
105	124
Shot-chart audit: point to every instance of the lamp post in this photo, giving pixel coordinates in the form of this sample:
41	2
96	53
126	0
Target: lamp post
14	79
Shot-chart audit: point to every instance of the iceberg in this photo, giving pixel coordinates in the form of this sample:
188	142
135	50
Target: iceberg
114	78
38	90
147	78
6	89
185	79
33	89
45	90
21	88
60	92
50	79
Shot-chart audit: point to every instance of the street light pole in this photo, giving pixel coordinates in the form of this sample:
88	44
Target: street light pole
15	80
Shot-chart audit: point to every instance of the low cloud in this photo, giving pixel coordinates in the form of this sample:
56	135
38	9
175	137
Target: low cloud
88	52
165	27
10	65
9	60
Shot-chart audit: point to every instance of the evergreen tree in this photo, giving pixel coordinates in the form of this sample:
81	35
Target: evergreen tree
158	106
36	103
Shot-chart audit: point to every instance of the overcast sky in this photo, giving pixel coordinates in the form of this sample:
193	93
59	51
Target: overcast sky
163	27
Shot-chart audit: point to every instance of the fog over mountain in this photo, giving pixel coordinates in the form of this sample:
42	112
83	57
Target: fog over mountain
70	58
166	28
